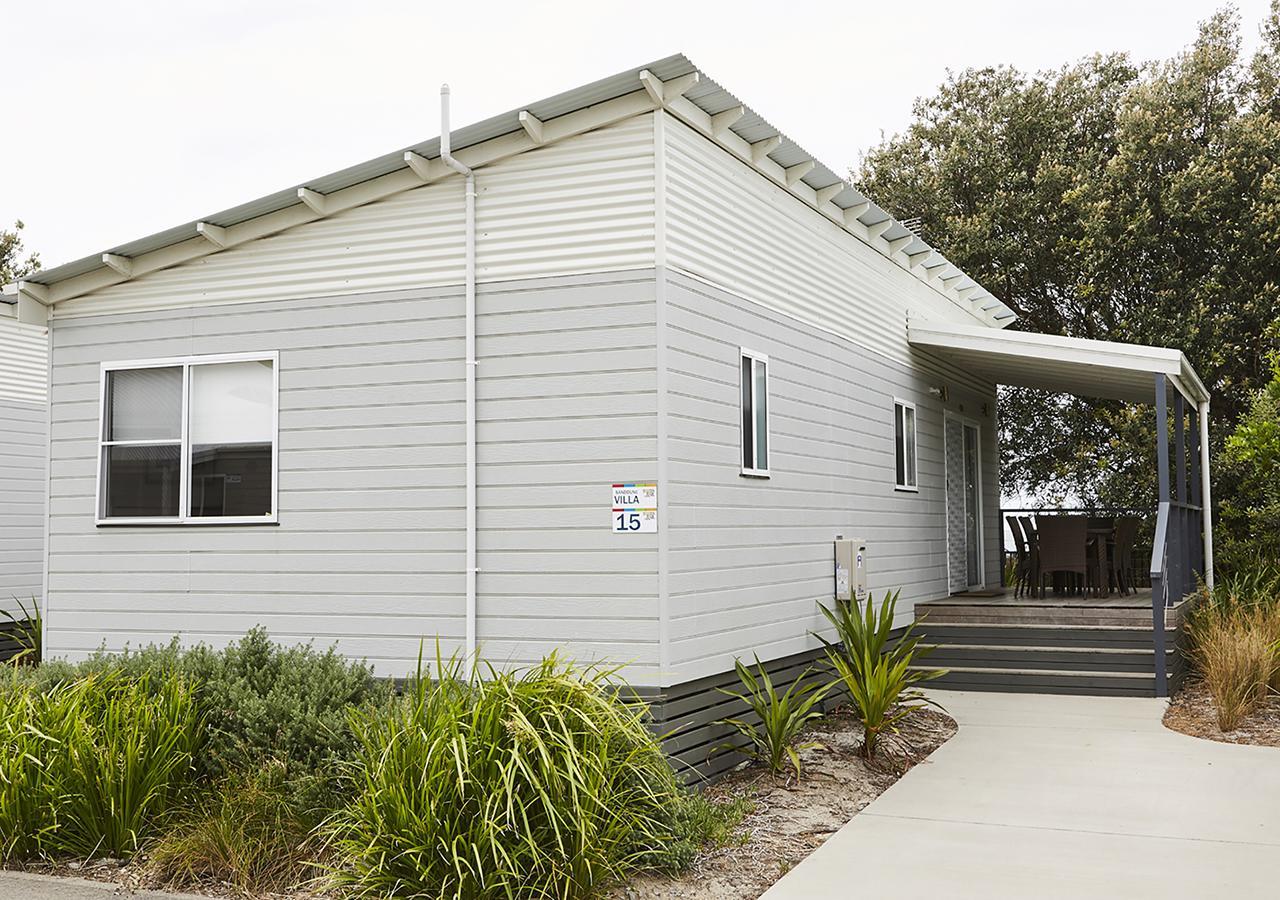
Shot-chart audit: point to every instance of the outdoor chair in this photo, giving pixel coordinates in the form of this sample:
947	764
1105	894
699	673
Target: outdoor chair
1062	544
1122	557
1022	567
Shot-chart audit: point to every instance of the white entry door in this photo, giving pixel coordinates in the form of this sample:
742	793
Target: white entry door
964	505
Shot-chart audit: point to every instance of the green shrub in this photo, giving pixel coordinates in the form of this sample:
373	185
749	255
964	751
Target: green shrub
539	783
696	822
245	834
781	717
94	765
262	702
881	679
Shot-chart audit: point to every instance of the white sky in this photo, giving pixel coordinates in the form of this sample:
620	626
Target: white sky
128	117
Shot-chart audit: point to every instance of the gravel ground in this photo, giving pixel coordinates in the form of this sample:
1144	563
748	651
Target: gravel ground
792	820
1193	712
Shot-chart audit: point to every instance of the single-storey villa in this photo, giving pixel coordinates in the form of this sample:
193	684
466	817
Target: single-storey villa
617	372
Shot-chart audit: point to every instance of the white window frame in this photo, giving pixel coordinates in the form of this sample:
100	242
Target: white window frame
899	411
184	476
745	353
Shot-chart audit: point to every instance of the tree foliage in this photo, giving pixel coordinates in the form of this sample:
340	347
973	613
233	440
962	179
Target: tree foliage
12	264
1250	469
1109	200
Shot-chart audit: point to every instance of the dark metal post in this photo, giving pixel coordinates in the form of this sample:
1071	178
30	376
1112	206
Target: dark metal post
1197	518
1160	575
1182	564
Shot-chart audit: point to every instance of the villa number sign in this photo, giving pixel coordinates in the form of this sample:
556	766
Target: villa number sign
635	508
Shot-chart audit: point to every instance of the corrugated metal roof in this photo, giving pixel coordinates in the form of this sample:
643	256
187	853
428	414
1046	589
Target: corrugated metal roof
707	95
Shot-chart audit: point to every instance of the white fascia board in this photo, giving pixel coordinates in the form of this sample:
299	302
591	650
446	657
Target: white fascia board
1072	351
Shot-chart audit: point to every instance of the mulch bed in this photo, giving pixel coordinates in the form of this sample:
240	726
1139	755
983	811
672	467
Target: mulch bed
1193	712
789	821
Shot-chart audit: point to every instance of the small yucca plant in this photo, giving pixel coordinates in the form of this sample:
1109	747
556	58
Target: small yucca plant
782	717
881	679
27	629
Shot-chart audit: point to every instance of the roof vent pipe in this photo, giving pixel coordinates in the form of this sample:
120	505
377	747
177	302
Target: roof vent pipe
470	366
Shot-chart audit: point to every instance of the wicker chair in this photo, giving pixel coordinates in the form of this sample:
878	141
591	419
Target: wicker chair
1063	545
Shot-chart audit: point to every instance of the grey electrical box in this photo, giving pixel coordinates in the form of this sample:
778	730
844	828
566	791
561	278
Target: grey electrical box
851	569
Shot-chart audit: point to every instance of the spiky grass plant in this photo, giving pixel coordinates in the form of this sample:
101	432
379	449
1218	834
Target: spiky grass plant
881	678
93	766
775	719
539	783
27	629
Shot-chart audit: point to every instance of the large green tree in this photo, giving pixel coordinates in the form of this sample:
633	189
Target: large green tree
1109	200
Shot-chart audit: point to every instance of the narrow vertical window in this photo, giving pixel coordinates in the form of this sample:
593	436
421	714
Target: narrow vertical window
188	440
754	382
904	445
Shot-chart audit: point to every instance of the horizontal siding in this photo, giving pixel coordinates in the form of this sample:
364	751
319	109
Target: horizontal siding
24	361
751	558
369	551
729	225
22	492
581	205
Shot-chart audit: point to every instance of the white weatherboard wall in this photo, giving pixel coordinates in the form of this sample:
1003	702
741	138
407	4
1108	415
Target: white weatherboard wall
23	430
729	225
370	546
582	205
752	557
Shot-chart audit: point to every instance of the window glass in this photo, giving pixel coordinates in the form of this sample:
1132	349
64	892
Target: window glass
142	480
899	447
231	431
909	438
144	404
762	415
748	417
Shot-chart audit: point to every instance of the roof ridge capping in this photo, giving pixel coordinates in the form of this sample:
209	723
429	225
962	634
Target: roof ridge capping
673	84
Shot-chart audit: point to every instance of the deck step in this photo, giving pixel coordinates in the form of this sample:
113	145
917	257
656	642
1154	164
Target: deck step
1034	635
1044	681
1079	659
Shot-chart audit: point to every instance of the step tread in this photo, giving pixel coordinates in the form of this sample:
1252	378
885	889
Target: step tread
1065	673
924	626
1029	648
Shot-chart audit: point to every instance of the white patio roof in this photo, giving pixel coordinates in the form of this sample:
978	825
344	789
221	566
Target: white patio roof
1068	365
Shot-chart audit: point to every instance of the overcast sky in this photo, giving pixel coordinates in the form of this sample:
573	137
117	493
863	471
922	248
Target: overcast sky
128	117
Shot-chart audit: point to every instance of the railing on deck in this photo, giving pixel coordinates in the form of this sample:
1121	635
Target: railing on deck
1177	560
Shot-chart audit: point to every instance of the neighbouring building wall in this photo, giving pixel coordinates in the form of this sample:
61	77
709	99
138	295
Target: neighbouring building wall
369	550
23	439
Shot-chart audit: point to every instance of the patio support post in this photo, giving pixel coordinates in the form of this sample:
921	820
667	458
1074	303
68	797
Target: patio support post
1159	580
1206	494
1178	515
1193	460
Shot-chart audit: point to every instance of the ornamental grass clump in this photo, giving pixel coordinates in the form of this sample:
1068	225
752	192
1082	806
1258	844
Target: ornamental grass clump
92	767
533	783
880	677
1235	643
243	835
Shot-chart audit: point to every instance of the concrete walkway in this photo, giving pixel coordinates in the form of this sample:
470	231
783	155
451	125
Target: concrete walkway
26	886
1061	797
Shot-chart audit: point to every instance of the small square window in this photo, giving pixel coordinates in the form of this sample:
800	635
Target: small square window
188	440
904	445
754	384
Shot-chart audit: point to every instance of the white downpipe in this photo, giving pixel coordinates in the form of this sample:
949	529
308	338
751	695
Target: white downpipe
1206	497
470	366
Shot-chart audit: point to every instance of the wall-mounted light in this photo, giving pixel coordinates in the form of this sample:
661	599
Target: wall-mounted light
939	392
